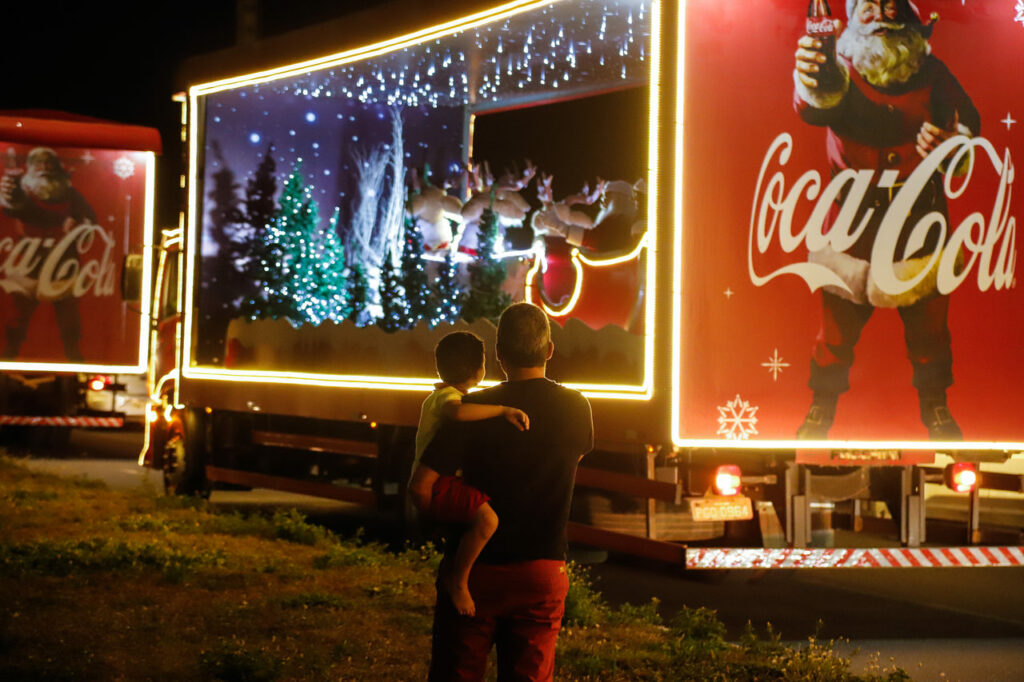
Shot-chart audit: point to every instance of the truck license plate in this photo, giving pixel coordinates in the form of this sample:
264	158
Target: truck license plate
733	508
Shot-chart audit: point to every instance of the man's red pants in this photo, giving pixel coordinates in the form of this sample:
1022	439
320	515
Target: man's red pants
519	608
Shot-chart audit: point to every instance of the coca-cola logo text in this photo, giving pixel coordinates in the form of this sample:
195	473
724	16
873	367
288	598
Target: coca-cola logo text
816	27
985	244
61	272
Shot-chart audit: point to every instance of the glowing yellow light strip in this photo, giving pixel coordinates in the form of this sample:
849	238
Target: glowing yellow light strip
652	238
677	229
314	379
190	222
157	294
191	239
577	289
179	330
577	259
599	262
369	51
145	306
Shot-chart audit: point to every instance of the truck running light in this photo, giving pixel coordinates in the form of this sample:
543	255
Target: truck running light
97	383
727	479
961	477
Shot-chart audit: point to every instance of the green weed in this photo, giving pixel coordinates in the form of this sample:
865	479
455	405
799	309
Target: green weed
231	661
584	605
101	554
643	614
307	600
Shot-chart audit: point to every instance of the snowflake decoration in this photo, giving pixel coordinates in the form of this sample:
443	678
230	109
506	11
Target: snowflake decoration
775	365
124	168
1020	12
737	420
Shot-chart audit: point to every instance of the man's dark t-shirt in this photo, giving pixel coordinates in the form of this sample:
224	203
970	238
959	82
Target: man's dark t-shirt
529	475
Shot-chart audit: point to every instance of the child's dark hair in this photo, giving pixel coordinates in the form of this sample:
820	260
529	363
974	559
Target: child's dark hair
458	357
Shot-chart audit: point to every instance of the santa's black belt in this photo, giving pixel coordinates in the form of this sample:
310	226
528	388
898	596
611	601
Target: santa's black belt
881	197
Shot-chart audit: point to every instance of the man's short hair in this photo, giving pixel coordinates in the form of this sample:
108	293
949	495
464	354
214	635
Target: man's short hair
523	336
458	357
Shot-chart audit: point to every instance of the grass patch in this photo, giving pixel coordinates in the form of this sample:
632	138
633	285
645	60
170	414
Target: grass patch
97	585
231	661
312	600
102	554
289	525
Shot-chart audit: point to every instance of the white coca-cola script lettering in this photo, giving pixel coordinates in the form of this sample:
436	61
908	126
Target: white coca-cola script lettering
987	243
61	271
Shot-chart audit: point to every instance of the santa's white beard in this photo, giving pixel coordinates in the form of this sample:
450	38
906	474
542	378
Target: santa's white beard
887	58
43	187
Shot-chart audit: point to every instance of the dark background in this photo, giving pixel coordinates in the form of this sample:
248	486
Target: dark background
117	60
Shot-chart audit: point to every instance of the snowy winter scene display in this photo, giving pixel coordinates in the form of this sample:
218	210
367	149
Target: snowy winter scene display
376	203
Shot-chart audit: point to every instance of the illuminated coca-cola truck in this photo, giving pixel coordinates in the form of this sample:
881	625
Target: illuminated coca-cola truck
792	304
76	202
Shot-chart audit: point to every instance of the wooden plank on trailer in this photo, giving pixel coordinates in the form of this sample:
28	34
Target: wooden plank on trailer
629	544
630	485
295	441
291	485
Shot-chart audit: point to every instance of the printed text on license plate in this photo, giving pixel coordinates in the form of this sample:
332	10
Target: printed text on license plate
721	509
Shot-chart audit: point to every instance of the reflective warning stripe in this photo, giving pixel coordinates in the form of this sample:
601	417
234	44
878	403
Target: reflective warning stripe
17	420
719	558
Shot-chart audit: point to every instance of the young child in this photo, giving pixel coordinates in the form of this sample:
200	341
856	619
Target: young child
459	358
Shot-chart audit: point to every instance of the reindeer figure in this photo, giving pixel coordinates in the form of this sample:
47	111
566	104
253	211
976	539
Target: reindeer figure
434	208
509	205
558	217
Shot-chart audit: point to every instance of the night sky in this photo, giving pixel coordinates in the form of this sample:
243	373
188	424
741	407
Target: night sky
117	60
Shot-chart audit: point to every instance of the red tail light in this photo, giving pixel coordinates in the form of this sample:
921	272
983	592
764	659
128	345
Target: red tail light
98	383
961	477
727	479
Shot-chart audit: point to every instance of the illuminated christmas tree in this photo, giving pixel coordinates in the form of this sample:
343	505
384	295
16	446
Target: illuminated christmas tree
287	253
394	309
325	296
447	293
358	294
414	276
484	297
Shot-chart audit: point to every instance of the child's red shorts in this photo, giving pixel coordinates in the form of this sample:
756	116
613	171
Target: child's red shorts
452	501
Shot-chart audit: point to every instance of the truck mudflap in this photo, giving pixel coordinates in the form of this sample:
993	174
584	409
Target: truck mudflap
899	557
101	422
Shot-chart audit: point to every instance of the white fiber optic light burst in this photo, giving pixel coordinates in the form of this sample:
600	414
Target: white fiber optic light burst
562	33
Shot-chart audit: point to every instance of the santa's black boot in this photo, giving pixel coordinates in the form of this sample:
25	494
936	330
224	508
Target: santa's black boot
819	418
936	417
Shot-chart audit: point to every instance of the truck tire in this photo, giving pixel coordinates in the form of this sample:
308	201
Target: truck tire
184	455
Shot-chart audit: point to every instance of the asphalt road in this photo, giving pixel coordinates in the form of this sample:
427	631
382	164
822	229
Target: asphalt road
938	624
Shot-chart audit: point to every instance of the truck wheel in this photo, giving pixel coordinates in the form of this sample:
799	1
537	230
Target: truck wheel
184	456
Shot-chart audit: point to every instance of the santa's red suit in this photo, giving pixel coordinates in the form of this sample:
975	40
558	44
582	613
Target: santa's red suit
871	127
47	220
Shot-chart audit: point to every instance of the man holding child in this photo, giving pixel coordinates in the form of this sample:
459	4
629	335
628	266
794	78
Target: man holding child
519	582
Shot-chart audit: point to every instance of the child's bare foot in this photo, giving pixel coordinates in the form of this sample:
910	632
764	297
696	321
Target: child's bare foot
460	595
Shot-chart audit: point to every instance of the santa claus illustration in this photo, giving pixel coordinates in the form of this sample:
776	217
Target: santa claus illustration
46	207
891	105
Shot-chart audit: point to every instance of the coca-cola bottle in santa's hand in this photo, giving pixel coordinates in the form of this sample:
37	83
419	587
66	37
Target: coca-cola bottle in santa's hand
10	182
821	27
